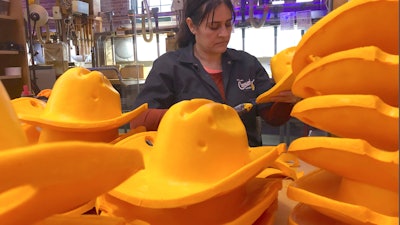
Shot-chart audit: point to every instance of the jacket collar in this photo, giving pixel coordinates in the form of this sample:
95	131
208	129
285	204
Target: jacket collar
187	55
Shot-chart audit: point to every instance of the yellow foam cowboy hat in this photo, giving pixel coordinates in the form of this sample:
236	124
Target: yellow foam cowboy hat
81	100
51	178
242	205
199	151
355	159
326	36
281	69
363	70
345	199
364	117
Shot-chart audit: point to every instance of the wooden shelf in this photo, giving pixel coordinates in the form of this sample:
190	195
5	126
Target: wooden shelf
3	77
9	52
12	28
3	17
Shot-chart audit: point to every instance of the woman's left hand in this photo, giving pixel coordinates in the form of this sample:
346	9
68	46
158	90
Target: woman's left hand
285	96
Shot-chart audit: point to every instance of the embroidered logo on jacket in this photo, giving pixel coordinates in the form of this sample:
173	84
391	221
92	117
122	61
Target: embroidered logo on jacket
246	85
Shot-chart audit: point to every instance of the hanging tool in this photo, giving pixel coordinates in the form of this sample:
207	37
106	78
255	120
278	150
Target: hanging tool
146	10
154	12
131	14
257	23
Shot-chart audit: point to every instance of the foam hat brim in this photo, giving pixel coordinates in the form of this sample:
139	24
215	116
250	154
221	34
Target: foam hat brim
356	159
353	14
83	219
345	200
364	117
255	197
148	189
28	105
284	84
41	119
363	70
303	214
52	178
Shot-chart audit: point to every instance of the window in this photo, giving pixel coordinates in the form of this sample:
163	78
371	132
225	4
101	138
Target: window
162	5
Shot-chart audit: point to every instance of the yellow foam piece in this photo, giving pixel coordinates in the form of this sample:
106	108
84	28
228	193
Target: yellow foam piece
303	214
281	68
32	106
184	168
49	134
358	17
284	166
40	180
81	220
268	216
281	63
363	70
81	100
64	175
31	132
242	205
285	84
11	133
354	158
28	105
352	116
345	200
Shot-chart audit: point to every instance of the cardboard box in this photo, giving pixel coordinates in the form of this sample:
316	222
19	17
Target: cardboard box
132	71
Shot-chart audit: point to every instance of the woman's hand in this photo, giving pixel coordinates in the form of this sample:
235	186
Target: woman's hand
285	96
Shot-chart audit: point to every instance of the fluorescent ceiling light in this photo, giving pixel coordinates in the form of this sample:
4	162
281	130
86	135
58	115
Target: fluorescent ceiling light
278	2
298	1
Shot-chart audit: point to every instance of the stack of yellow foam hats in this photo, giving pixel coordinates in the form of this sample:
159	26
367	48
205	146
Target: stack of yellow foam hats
43	179
187	174
83	105
350	88
199	169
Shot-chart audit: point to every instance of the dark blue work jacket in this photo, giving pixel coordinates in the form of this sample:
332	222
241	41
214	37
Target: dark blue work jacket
178	75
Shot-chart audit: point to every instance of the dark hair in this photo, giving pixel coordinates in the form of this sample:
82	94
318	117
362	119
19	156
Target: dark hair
197	10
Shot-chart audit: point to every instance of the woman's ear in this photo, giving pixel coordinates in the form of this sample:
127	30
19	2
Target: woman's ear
190	24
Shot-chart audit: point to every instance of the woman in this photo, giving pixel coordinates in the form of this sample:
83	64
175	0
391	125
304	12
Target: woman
203	67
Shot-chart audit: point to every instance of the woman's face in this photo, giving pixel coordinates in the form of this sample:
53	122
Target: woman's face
213	34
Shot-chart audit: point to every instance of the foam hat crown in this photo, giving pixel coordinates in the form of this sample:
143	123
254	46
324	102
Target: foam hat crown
82	100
